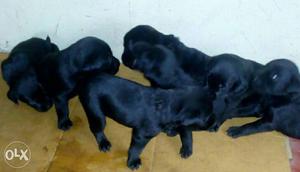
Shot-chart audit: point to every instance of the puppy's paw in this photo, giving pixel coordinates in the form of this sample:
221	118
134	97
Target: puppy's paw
172	133
185	152
214	128
104	145
134	164
234	132
65	124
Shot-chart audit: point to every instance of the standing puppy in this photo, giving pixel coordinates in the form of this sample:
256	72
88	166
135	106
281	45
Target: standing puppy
279	84
148	111
19	72
61	73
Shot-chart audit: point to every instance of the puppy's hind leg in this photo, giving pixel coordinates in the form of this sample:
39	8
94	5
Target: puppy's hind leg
255	127
186	137
139	140
97	122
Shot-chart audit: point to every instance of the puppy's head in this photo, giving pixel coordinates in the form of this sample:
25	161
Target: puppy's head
153	59
28	90
279	77
134	51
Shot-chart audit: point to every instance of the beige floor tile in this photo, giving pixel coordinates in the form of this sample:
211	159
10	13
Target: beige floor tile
215	152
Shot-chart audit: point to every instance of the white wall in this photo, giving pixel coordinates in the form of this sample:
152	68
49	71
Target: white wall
258	29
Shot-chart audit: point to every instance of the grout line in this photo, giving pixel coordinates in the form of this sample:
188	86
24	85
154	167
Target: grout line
58	143
153	153
60	138
289	149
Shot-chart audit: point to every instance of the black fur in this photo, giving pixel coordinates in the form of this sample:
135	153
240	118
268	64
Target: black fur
62	73
159	65
147	110
230	78
19	72
191	61
147	34
279	84
174	65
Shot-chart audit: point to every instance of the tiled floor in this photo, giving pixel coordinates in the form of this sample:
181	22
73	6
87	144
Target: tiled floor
76	150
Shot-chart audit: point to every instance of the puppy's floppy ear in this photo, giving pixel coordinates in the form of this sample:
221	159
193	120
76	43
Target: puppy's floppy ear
14	66
48	39
13	96
294	85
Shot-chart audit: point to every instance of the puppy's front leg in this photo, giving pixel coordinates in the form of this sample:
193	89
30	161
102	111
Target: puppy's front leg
139	140
255	127
219	107
186	137
62	110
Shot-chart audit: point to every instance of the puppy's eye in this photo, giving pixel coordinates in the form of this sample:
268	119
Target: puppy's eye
274	77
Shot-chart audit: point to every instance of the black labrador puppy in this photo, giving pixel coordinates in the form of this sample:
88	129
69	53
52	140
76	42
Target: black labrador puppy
148	111
279	83
159	65
229	78
19	72
192	61
62	73
146	34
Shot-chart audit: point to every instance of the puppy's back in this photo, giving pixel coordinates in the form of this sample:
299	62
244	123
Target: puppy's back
102	83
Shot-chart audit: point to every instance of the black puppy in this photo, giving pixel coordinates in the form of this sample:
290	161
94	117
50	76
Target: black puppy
147	110
147	34
279	83
230	77
159	65
61	73
19	71
191	60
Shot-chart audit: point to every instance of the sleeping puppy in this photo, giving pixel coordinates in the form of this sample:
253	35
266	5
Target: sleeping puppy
19	72
159	66
148	111
61	73
191	60
229	78
279	83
